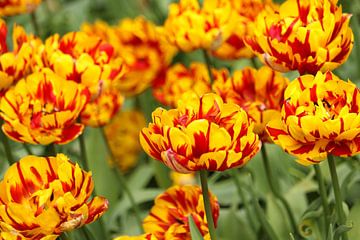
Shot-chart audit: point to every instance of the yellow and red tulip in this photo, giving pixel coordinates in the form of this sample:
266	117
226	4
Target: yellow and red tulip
42	197
259	92
168	218
201	134
320	116
14	7
306	35
43	109
179	79
190	27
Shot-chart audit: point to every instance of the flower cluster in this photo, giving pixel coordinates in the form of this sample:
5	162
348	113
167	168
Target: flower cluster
320	116
201	134
168	218
41	197
122	134
258	92
307	36
190	27
143	47
180	80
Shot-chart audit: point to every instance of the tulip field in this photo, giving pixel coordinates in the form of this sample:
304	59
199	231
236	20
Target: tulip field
179	119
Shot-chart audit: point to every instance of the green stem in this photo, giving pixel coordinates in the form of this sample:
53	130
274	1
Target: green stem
323	196
87	233
85	162
27	149
208	211
7	148
244	200
124	184
208	65
275	191
337	193
35	23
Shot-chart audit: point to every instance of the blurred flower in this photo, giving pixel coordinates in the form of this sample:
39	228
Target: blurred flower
259	92
146	52
190	27
122	134
13	7
180	80
307	36
147	236
201	134
43	108
15	64
320	116
168	218
181	179
245	15
43	196
90	61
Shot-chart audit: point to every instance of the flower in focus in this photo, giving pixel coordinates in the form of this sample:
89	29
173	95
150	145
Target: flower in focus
259	92
14	7
201	134
181	179
147	236
42	196
245	15
190	27
320	116
43	108
15	64
180	80
168	218
122	134
307	36
89	61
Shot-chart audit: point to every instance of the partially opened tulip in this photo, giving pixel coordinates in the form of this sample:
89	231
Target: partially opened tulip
43	109
179	80
13	7
320	116
259	92
42	197
307	36
201	134
168	218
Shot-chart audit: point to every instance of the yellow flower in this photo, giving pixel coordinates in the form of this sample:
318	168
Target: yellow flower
320	116
45	196
168	218
147	236
259	92
16	64
180	80
201	134
190	27
122	134
43	109
307	35
245	15
14	7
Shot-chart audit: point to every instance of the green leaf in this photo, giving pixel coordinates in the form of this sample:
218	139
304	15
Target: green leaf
194	231
354	218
